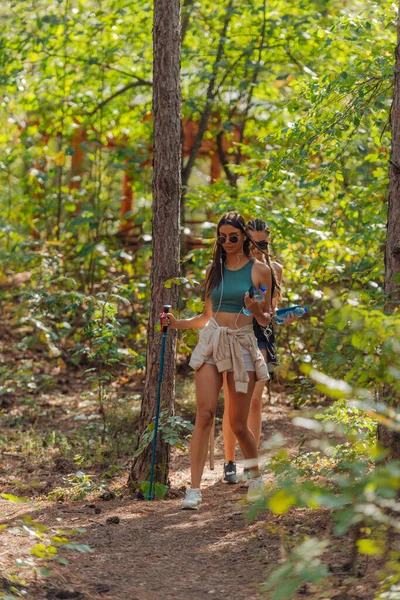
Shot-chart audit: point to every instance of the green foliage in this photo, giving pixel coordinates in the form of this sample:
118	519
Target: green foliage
171	428
77	487
80	448
349	479
52	540
13	498
303	566
363	343
159	489
358	428
391	587
180	281
354	420
300	99
98	339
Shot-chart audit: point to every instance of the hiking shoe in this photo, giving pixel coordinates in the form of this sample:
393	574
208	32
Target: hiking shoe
230	472
256	489
192	500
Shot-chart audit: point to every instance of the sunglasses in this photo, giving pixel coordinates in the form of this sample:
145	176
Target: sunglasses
262	245
222	239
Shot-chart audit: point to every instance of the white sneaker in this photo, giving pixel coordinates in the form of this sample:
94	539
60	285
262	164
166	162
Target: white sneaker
256	489
192	500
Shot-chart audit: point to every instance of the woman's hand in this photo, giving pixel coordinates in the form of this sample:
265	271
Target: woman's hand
256	308
168	320
291	318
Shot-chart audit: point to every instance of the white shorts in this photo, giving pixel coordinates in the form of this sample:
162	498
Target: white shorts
248	362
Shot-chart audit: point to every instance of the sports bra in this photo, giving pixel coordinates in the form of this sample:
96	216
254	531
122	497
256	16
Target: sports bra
232	289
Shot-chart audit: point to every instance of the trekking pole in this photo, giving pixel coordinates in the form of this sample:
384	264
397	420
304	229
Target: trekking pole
165	310
212	443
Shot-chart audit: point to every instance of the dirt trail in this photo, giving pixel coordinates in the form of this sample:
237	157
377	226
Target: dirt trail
157	551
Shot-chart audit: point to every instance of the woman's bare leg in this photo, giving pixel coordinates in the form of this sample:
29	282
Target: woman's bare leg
255	415
208	384
229	436
254	421
239	406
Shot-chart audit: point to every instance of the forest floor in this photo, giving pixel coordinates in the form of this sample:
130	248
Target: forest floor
147	550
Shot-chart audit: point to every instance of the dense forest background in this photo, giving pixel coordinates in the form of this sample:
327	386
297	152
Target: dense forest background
287	117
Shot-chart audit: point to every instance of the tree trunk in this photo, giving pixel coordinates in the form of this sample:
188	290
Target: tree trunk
388	438
166	225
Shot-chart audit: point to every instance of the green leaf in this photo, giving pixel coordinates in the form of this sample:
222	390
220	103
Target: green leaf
281	501
286	589
145	487
160	490
371	547
12	498
83	548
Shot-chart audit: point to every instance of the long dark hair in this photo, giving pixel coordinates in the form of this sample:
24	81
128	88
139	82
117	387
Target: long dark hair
214	277
260	225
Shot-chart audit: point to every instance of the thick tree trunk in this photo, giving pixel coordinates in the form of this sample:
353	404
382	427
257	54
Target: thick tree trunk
388	438
166	224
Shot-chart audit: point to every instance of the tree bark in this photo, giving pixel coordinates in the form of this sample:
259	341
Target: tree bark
166	225
388	438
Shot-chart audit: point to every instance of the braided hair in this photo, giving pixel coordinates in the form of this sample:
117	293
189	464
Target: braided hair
260	225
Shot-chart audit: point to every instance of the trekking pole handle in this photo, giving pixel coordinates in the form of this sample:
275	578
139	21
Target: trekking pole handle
165	311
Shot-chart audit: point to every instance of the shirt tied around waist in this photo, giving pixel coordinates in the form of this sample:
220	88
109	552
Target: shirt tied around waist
225	346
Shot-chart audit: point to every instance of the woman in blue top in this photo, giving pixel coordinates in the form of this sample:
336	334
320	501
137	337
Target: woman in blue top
260	232
227	344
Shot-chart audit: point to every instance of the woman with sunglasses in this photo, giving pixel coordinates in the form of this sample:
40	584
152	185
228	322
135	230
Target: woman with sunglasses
260	234
227	344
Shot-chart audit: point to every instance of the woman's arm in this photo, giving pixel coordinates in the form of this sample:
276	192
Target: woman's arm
193	323
274	302
264	278
278	272
261	310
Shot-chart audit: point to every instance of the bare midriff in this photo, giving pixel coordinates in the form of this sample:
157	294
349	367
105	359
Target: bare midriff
232	320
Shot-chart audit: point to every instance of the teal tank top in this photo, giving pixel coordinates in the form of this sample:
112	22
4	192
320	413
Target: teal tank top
233	288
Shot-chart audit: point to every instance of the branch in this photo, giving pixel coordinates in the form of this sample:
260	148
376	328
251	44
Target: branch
248	51
297	62
213	90
186	13
256	74
232	177
94	63
114	95
209	100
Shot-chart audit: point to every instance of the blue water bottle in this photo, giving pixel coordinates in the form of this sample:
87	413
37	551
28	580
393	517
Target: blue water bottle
282	313
258	295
